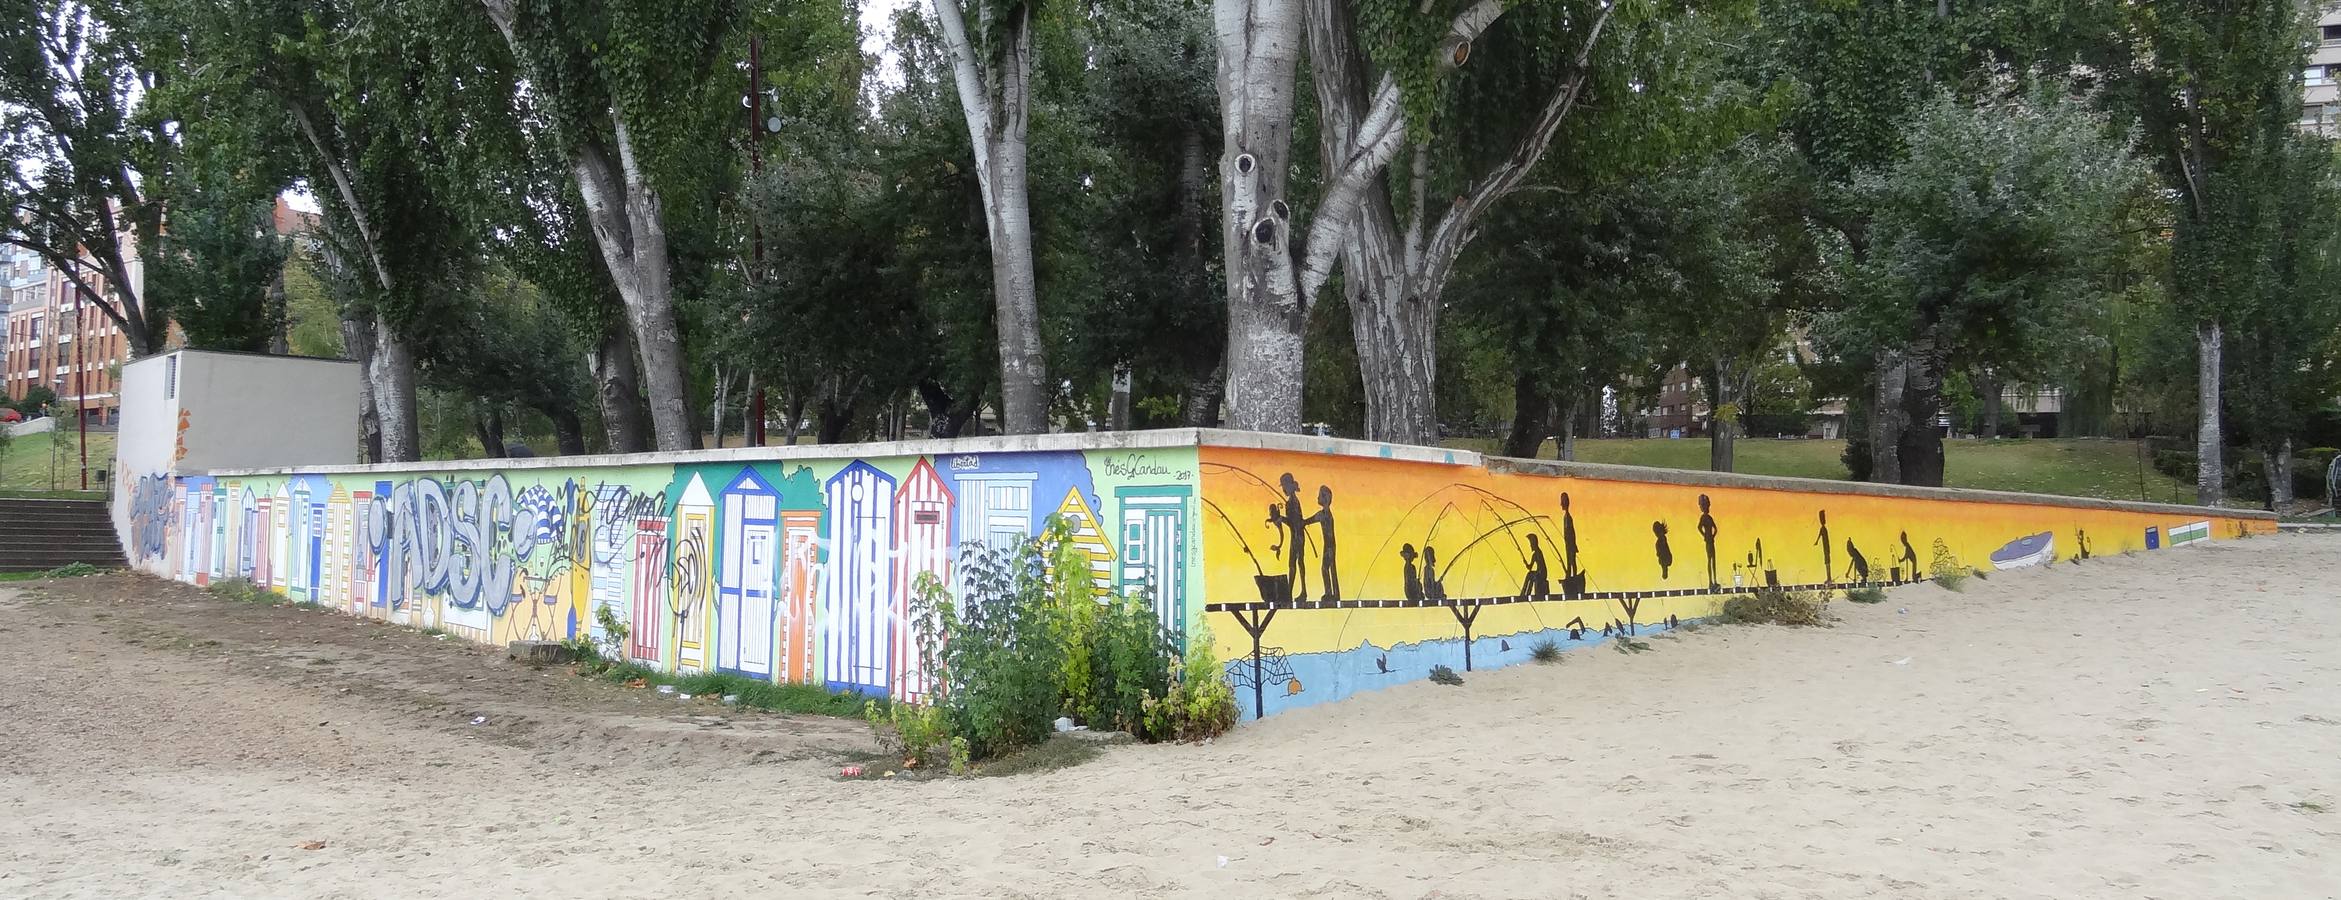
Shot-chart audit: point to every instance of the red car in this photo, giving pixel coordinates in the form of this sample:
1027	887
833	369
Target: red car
10	415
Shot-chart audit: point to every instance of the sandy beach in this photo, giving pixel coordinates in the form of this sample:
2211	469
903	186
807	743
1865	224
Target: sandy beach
2166	725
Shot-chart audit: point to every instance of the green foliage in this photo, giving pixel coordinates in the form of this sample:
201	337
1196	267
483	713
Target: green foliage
1944	569
1866	595
1201	704
1547	651
995	654
1445	675
1773	606
244	590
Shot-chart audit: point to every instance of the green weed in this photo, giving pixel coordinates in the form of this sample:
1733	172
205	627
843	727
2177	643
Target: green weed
1547	651
1866	595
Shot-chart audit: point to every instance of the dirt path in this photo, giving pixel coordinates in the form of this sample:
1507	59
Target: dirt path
2160	726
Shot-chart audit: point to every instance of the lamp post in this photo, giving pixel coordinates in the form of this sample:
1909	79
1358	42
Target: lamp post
72	317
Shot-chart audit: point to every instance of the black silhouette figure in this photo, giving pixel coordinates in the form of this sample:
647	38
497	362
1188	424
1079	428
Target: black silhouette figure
1672	622
1323	519
1568	537
1572	577
1857	566
1432	587
1382	662
1413	577
1606	630
1505	646
1909	559
1665	553
1295	534
1576	628
1538	583
1828	566
2083	537
1707	531
1764	563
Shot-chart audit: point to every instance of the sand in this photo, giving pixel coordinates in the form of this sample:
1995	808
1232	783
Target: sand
2165	725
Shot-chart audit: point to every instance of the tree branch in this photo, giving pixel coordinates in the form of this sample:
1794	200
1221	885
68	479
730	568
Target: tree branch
975	99
1382	129
1455	228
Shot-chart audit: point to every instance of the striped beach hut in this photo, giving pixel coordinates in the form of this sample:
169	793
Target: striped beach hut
922	546
858	590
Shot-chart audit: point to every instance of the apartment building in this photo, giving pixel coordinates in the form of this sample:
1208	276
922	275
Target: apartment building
58	339
23	322
2320	109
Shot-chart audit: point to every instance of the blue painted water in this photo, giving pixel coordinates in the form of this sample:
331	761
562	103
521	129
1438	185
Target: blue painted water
1326	677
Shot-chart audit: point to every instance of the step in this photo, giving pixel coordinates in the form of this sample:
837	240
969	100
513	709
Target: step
54	527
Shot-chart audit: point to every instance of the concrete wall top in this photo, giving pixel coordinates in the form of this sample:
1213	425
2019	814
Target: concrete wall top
1604	472
1211	437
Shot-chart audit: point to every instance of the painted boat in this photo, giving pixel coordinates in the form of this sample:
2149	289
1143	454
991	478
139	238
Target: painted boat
2030	550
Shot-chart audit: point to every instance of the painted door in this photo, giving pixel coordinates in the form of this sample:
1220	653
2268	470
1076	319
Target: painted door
693	570
314	530
922	547
996	509
1154	550
856	624
800	568
200	558
744	621
649	607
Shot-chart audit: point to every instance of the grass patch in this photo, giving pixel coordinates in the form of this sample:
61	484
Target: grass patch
244	590
68	570
1950	579
2311	806
1629	645
31	467
1444	675
1058	752
1866	595
1777	607
1547	651
807	699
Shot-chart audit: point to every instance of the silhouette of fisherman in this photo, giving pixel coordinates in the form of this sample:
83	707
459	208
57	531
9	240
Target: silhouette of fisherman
1323	519
1413	578
1665	553
1295	530
1432	588
1764	564
2078	534
1909	558
1707	531
1857	565
1568	538
1538	584
1828	566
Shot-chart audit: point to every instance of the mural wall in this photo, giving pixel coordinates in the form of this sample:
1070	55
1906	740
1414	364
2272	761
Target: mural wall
791	571
1333	574
1320	572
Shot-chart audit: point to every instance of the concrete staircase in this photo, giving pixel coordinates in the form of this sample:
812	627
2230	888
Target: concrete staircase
39	535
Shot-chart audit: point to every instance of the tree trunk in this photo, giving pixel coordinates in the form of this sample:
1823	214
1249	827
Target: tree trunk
619	391
568	431
357	341
836	419
1992	401
1922	397
1565	449
1259	46
1118	405
629	227
715	408
796	417
488	425
2210	471
995	97
1722	419
280	321
2279	461
947	416
1886	420
1532	416
393	374
1200	407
